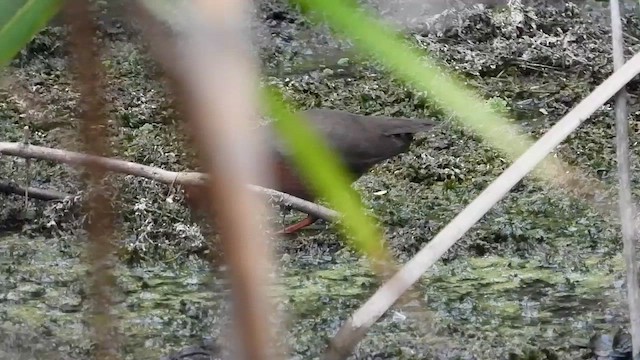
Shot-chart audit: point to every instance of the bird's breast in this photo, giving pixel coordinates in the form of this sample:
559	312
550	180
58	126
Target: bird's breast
287	180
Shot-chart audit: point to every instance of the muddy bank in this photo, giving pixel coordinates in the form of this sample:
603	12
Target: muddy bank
539	274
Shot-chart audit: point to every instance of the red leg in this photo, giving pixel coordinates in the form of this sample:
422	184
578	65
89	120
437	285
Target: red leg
299	225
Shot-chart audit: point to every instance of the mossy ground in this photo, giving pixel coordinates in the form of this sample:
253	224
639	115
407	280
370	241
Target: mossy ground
533	279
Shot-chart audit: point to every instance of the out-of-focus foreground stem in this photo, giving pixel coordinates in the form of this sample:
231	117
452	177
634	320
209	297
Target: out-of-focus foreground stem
220	81
98	207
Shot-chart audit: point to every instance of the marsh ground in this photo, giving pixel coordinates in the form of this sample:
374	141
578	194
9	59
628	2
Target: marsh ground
535	278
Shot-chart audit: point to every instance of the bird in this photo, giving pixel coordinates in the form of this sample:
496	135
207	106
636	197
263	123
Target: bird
360	141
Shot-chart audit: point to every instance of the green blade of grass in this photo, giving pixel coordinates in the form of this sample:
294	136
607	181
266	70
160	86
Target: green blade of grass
26	22
326	175
8	8
419	70
320	167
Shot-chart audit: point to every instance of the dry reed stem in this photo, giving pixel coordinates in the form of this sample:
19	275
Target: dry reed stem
220	79
357	326
99	223
626	206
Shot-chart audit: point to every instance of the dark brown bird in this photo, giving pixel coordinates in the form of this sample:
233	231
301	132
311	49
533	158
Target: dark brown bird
360	141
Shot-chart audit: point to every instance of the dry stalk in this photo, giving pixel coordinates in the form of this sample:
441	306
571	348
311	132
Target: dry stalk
626	206
147	172
219	84
357	326
99	224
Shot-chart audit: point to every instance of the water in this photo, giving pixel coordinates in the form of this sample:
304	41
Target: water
501	302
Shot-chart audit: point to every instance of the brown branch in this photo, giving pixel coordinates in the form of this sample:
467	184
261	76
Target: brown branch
155	174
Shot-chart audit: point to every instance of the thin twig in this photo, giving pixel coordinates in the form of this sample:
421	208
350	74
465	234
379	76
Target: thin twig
627	210
35	193
26	135
357	326
156	174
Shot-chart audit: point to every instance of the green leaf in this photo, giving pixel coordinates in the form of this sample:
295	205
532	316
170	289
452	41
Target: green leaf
25	23
325	173
417	69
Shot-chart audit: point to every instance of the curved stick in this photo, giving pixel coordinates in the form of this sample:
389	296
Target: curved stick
156	174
